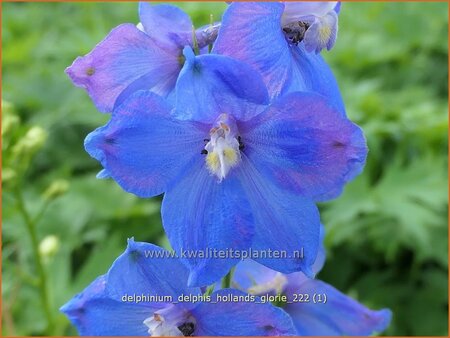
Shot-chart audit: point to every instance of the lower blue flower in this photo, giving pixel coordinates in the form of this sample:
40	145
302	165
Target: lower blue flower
316	308
110	306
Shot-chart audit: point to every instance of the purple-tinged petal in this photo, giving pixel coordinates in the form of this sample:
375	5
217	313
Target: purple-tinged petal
302	144
166	24
201	215
103	174
210	85
322	33
338	316
93	313
146	269
240	318
252	277
321	255
285	223
206	36
249	272
126	58
294	11
142	147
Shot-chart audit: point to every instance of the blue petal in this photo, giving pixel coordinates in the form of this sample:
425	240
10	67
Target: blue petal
166	23
200	214
321	255
126	58
284	222
142	147
94	314
249	273
302	144
339	315
251	32
311	73
210	85
103	175
240	318
337	9
146	269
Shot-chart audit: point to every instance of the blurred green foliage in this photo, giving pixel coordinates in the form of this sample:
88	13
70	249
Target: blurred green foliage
386	235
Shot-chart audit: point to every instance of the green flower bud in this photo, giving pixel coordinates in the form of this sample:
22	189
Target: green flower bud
49	246
56	189
33	140
8	174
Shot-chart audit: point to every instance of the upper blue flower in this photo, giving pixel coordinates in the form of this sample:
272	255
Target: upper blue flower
315	23
237	172
146	56
253	32
166	307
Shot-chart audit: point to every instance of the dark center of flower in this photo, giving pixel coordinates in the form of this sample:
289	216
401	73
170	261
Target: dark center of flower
295	32
187	329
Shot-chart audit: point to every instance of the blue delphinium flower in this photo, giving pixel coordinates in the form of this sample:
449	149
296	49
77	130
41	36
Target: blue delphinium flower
314	23
144	293
252	32
316	308
237	172
146	56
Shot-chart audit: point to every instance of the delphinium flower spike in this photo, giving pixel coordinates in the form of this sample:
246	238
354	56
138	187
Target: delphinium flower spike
144	293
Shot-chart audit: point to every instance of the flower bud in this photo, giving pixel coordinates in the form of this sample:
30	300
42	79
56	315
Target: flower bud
8	174
49	246
33	140
56	189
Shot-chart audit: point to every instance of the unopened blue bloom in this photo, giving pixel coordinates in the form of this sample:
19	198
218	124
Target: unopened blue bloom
144	293
252	32
316	308
314	23
237	172
147	56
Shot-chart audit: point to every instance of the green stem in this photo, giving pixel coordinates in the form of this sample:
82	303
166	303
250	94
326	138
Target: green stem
195	42
226	281
211	22
210	290
42	277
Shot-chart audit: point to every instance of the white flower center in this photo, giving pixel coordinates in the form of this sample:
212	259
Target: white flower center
223	147
277	284
170	321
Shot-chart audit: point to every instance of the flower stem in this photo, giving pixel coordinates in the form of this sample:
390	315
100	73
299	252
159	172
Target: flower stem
210	290
42	277
211	23
226	281
195	42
